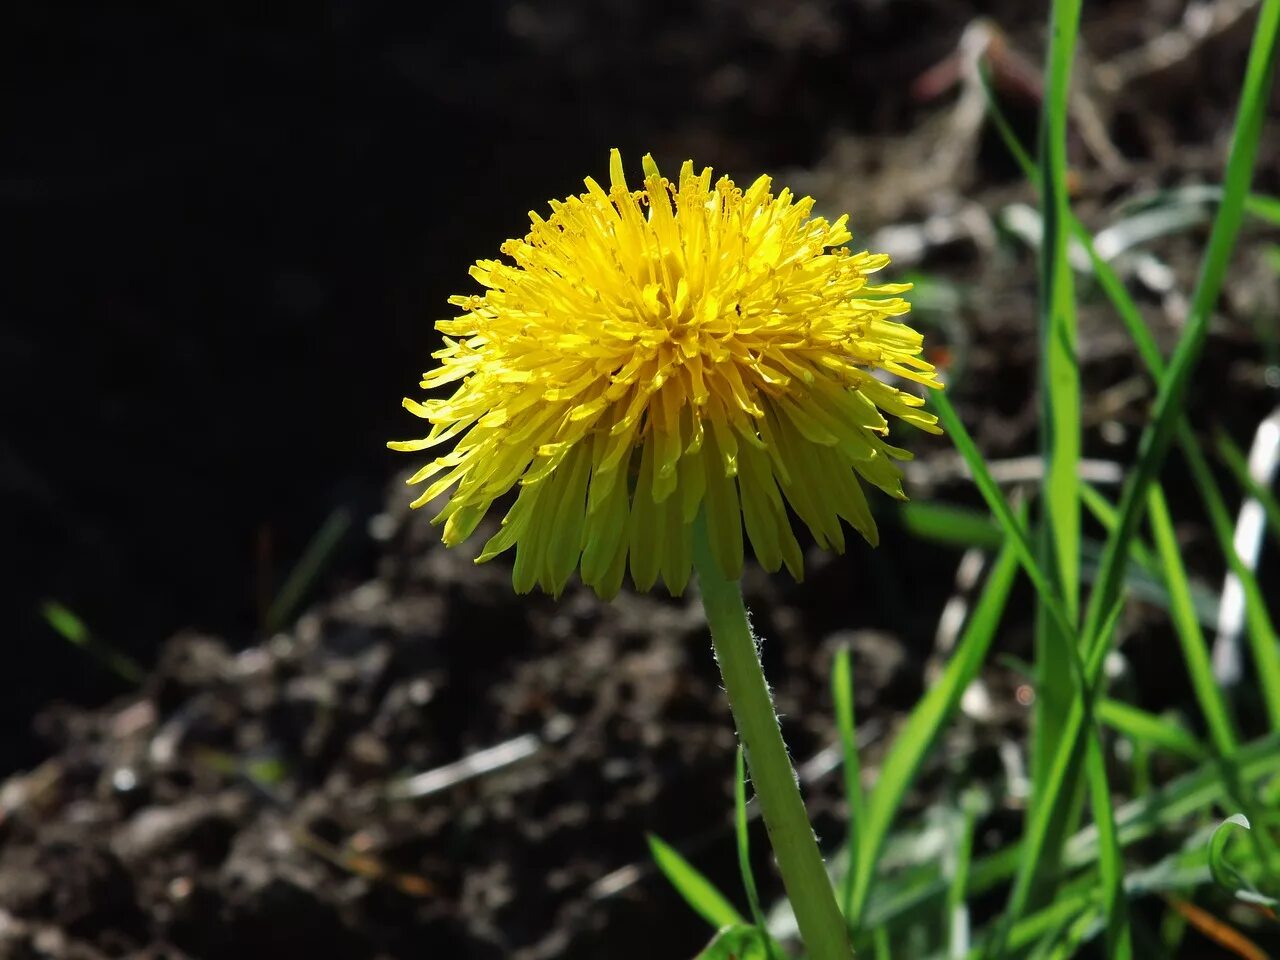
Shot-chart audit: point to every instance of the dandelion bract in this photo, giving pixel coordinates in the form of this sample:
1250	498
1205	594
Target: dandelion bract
646	354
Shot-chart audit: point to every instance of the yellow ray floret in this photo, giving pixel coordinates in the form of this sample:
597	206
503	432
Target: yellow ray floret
649	354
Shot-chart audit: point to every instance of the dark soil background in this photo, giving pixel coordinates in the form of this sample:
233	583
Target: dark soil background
233	229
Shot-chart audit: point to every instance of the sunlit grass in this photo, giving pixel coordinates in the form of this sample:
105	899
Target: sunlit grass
1071	877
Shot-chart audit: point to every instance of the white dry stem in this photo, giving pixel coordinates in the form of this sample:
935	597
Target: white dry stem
1264	459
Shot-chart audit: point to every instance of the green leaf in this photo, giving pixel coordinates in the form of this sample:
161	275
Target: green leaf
1264	208
957	913
1144	580
65	622
1059	681
1060	434
1042	836
1263	637
74	630
699	892
1187	797
926	723
742	829
1264	642
1105	513
1195	650
1014	529
1048	922
1119	936
736	942
1148	728
1048	817
1173	385
945	523
846	723
1225	873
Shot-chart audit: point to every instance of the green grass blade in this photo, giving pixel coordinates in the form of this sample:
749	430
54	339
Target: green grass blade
1148	587
1060	431
1167	416
1264	208
1264	643
1108	279
1111	860
1046	816
307	569
944	523
957	913
1042	923
1076	933
1144	580
1013	528
736	943
926	722
74	630
1173	385
1156	438
846	723
1105	513
1195	650
1004	128
1223	870
1147	728
1170	806
1263	637
741	825
1225	873
1190	796
698	892
1064	768
1065	760
1262	633
1238	464
1119	936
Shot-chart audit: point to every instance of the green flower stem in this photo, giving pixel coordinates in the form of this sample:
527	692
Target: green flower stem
822	926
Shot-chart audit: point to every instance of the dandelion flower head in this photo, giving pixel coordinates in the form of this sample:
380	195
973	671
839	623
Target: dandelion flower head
644	355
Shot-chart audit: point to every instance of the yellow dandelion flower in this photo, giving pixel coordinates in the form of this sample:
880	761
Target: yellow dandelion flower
649	354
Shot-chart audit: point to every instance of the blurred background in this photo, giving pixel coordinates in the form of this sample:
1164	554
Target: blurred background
233	228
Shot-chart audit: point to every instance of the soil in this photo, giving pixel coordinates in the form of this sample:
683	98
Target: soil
258	793
254	800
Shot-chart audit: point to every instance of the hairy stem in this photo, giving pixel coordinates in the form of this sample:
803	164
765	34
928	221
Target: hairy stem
822	926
